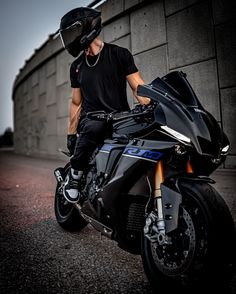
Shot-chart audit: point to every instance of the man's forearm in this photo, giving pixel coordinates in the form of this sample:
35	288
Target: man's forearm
74	118
134	80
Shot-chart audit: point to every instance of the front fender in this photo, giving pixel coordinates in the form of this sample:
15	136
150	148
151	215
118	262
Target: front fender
171	201
172	198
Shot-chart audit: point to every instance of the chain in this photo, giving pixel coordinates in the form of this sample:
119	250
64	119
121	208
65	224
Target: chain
92	65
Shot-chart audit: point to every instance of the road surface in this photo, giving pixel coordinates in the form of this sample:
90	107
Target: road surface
37	256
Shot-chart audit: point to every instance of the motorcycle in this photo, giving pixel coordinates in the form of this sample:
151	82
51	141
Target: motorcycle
148	188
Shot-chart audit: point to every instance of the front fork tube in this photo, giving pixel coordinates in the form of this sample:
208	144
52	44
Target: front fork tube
189	168
159	179
158	206
155	222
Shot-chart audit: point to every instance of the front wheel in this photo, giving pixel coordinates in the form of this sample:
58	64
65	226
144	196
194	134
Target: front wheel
200	252
67	215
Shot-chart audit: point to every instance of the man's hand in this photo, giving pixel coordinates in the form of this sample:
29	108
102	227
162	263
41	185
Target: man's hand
71	141
139	108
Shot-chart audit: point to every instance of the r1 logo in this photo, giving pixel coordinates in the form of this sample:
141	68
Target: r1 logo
143	153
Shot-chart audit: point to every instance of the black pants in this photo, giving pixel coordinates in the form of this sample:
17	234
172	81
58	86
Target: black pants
91	134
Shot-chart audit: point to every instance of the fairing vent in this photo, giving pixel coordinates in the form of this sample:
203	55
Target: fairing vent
135	219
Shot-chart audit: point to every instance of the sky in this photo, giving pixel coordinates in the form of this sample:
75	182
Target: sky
24	26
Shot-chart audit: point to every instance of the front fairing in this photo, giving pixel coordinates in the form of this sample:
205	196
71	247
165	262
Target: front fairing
180	110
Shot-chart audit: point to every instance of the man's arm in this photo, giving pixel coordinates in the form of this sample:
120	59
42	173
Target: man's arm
134	80
75	109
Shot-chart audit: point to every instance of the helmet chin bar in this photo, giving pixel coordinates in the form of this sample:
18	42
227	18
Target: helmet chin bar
82	44
76	47
89	38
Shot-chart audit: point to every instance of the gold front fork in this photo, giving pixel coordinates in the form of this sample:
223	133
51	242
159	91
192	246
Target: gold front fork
189	167
159	179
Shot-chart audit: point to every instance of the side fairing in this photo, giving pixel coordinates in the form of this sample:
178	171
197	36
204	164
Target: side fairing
138	158
108	155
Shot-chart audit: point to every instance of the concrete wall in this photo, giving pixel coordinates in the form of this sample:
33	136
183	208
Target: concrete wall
197	37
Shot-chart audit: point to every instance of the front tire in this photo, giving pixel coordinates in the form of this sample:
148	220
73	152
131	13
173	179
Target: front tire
67	215
201	252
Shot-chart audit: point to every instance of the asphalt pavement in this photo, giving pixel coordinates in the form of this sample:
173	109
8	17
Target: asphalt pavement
37	256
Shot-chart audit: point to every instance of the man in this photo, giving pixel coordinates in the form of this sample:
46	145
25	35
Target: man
98	80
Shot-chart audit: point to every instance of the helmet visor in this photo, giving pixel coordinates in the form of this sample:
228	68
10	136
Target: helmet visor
69	34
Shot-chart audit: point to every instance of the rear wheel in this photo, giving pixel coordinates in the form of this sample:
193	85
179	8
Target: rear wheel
67	215
200	252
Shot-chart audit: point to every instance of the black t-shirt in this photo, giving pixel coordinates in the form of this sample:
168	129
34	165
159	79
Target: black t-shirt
103	86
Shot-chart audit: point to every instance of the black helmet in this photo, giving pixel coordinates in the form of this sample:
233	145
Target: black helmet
78	28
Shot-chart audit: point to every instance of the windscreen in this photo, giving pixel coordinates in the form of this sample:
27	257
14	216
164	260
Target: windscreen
176	86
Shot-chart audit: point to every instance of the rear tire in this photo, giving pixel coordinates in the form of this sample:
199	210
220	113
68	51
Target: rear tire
202	253
67	215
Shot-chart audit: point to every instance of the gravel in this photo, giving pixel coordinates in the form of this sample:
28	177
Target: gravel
37	256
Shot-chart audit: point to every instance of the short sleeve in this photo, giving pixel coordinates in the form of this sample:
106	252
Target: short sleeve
74	81
127	61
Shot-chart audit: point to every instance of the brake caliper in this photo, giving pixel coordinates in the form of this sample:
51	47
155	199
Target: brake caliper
154	229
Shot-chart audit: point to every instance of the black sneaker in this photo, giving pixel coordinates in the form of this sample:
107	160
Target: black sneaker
71	189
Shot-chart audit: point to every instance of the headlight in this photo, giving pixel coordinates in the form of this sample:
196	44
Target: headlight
176	134
225	149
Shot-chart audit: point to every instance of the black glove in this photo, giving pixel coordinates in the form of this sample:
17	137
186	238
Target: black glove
71	141
137	109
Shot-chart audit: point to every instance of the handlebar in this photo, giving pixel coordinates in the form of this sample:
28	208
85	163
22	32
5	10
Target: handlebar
139	110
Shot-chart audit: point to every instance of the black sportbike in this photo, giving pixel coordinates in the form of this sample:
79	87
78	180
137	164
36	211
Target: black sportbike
148	188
